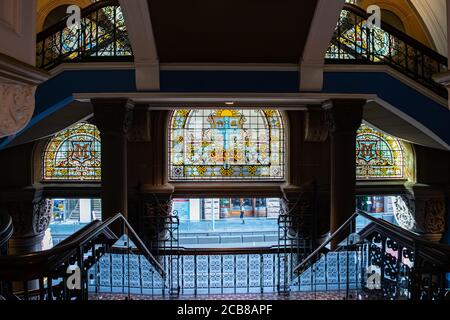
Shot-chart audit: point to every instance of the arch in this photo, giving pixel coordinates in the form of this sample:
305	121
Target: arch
55	16
380	156
406	12
73	154
45	7
393	19
224	145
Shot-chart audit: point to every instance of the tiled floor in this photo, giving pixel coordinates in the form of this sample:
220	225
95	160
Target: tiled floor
292	296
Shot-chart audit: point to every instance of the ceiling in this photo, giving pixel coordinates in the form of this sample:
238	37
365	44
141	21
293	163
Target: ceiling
231	31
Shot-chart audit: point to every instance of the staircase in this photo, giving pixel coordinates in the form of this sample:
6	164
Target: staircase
52	275
382	261
74	210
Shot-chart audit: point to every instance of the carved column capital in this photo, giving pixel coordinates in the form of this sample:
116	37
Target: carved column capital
16	107
31	217
140	128
423	212
344	115
42	213
316	125
113	116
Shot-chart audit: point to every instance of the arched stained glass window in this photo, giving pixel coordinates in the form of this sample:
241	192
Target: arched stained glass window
73	154
226	145
378	156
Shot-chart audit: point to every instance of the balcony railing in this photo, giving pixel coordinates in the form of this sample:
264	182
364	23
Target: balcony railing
354	42
102	35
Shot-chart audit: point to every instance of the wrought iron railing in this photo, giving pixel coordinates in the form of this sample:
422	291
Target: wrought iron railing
44	275
194	272
101	35
382	261
354	42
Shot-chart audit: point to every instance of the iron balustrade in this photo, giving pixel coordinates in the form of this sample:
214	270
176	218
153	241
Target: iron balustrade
44	275
354	42
194	272
382	261
102	35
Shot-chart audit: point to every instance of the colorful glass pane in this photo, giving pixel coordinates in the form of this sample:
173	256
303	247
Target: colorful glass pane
226	145
73	154
360	40
378	156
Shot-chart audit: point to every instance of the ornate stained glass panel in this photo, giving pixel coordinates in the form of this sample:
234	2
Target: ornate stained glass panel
355	40
73	154
220	144
378	156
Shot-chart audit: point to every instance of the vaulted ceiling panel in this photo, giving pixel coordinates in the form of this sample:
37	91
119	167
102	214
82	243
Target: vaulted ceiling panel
231	31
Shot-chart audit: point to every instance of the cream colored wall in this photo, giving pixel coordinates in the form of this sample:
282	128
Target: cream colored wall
434	16
414	26
44	7
17	30
424	20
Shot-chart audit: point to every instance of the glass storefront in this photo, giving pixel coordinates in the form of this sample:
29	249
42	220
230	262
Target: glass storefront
226	208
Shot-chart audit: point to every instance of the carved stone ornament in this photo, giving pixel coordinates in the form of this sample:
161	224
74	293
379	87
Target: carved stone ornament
42	212
423	215
29	218
404	210
431	215
16	107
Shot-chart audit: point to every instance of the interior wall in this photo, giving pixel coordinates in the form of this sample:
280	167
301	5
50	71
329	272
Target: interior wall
44	7
432	166
434	16
18	30
17	167
413	21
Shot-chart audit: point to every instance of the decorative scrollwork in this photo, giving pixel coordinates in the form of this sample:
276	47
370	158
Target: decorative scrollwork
434	215
42	211
102	34
16	107
404	208
354	41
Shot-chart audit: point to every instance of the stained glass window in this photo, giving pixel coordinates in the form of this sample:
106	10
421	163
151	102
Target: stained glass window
378	156
226	145
355	39
73	154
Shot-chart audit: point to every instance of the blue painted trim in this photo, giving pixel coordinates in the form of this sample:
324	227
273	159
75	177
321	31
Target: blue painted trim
413	103
57	92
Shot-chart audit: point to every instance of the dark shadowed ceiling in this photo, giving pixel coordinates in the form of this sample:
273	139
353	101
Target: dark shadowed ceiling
231	31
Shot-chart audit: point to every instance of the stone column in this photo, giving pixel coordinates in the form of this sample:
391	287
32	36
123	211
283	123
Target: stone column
344	117
113	118
31	216
155	225
423	211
